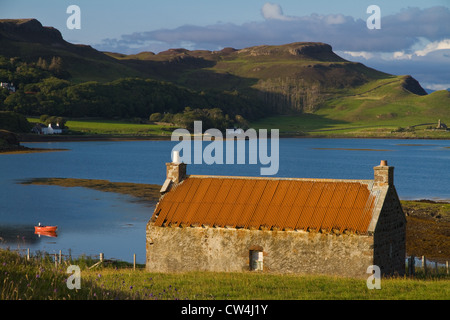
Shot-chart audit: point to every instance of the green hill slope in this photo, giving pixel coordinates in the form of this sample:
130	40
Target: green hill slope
29	40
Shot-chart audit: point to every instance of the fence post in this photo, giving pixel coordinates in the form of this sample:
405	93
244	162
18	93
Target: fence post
28	254
101	257
436	267
59	256
424	264
134	261
446	265
412	270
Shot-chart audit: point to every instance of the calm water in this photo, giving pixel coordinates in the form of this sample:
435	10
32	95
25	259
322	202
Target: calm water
90	222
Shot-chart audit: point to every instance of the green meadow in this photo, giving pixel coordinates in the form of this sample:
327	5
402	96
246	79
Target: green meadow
381	109
41	279
113	127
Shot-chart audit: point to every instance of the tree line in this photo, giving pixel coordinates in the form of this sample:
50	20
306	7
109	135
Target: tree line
42	89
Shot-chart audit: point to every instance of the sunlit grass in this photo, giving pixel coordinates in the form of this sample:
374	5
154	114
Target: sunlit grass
114	127
40	279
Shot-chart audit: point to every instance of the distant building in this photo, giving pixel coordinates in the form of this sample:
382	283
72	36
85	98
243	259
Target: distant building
40	128
9	86
441	125
282	225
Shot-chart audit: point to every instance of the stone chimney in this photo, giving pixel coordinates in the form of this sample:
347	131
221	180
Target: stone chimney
383	174
176	170
175	173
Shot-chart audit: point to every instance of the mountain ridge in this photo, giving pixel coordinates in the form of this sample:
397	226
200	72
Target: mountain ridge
300	77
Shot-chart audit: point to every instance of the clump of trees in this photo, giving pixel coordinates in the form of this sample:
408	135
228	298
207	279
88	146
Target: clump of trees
42	88
46	119
14	122
211	118
407	129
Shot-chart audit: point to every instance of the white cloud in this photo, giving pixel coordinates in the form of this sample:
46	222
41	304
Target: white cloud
436	86
400	55
271	11
363	54
335	19
434	46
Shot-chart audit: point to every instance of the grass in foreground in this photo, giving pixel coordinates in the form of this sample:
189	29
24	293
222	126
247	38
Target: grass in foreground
40	279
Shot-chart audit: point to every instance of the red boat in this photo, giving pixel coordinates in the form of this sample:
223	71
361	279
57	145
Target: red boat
45	228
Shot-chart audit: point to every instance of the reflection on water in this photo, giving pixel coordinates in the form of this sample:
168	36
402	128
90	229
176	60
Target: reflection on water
17	235
51	234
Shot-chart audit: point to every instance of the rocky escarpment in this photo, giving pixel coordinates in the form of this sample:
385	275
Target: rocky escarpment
30	30
317	51
29	39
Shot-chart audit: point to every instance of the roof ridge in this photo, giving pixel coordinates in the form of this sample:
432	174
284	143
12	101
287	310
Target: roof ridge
366	181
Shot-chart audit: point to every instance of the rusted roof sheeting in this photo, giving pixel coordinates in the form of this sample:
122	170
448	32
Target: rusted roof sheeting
252	203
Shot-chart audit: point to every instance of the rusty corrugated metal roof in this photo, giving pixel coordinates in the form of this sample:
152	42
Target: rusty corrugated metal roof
254	203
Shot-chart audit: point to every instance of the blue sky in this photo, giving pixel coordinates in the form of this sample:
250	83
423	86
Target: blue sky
414	37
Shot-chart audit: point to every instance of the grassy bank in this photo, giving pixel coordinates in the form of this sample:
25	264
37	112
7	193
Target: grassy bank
323	126
114	127
320	125
39	278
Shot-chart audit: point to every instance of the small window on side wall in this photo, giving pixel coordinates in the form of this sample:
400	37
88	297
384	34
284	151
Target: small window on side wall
256	260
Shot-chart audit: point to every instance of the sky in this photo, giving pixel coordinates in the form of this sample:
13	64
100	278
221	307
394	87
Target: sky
413	37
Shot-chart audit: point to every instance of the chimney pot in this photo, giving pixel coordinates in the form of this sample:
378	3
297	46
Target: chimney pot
383	163
176	157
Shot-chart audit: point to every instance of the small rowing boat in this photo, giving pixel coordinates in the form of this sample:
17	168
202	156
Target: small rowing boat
41	228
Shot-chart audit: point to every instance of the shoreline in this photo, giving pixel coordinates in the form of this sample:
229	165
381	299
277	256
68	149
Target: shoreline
30	150
27	138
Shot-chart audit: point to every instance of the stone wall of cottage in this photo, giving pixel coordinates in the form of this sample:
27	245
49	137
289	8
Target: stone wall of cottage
174	249
390	236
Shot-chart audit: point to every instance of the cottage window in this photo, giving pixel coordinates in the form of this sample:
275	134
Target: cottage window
256	260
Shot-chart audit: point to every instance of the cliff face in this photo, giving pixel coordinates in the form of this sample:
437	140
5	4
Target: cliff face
29	39
30	30
299	50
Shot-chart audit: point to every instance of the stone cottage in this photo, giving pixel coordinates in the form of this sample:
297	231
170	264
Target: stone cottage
280	225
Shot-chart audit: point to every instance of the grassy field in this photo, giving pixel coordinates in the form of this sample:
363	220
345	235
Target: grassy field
114	127
379	109
314	125
39	278
305	125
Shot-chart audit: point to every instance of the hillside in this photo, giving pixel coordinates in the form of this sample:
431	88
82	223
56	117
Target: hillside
255	82
29	40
